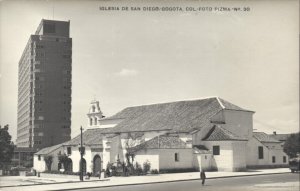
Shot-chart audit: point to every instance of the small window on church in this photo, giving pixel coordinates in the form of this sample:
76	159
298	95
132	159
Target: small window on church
69	150
284	159
260	152
216	150
93	108
91	121
95	120
176	157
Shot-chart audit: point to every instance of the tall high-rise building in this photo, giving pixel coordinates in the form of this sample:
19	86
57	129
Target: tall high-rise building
45	86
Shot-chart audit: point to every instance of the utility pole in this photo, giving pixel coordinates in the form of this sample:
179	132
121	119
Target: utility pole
81	156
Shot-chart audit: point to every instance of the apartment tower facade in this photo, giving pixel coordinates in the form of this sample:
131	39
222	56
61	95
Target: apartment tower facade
45	87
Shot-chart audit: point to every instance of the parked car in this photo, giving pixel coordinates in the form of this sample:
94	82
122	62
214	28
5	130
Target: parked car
294	164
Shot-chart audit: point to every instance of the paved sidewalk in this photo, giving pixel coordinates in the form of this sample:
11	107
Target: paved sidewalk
64	184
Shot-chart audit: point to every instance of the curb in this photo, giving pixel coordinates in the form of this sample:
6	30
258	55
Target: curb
161	182
132	184
39	184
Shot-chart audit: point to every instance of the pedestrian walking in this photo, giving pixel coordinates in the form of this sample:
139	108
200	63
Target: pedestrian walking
202	177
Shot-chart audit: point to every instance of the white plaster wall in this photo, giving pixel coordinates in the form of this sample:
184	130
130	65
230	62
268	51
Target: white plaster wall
106	151
270	149
252	153
39	165
151	134
218	118
187	138
108	123
116	149
279	154
239	155
239	122
224	161
75	156
148	155
167	158
202	161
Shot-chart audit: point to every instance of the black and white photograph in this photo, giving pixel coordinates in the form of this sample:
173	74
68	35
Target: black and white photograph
149	95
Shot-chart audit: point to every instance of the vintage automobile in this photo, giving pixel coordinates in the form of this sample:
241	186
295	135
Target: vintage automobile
294	164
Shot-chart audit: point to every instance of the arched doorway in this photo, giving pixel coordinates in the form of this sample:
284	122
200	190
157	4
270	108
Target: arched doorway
83	166
97	165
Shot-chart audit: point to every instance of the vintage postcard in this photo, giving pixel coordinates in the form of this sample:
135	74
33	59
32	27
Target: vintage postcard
149	95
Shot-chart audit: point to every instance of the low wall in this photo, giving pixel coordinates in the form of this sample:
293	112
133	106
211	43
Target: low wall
65	176
49	175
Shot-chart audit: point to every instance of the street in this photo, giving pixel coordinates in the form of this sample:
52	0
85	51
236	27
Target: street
280	182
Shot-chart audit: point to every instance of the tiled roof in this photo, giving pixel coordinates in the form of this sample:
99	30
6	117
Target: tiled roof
89	137
263	137
162	142
280	137
218	133
181	116
200	149
231	106
48	150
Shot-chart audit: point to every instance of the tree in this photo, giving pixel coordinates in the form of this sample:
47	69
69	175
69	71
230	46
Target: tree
131	141
147	166
64	160
6	147
292	145
48	160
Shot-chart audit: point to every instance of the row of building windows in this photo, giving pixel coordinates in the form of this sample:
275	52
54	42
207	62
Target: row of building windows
23	102
261	155
24	85
22	123
65	126
37	142
38	46
21	130
216	151
39	126
24	143
23	136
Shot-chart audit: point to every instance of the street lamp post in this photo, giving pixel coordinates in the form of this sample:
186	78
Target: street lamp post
81	156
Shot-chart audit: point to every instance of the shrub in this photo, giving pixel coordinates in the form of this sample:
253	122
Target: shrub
48	160
63	159
65	172
161	171
138	169
146	166
154	171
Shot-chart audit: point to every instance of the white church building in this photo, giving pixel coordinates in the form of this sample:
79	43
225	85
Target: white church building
210	134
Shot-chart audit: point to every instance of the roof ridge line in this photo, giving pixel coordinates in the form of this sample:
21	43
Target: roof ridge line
195	99
223	107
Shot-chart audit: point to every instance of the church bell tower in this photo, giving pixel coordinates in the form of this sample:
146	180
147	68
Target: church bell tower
94	115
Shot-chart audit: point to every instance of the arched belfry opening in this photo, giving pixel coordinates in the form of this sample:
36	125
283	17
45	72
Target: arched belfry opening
94	114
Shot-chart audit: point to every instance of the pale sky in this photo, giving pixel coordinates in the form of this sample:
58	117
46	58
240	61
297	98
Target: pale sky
134	58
